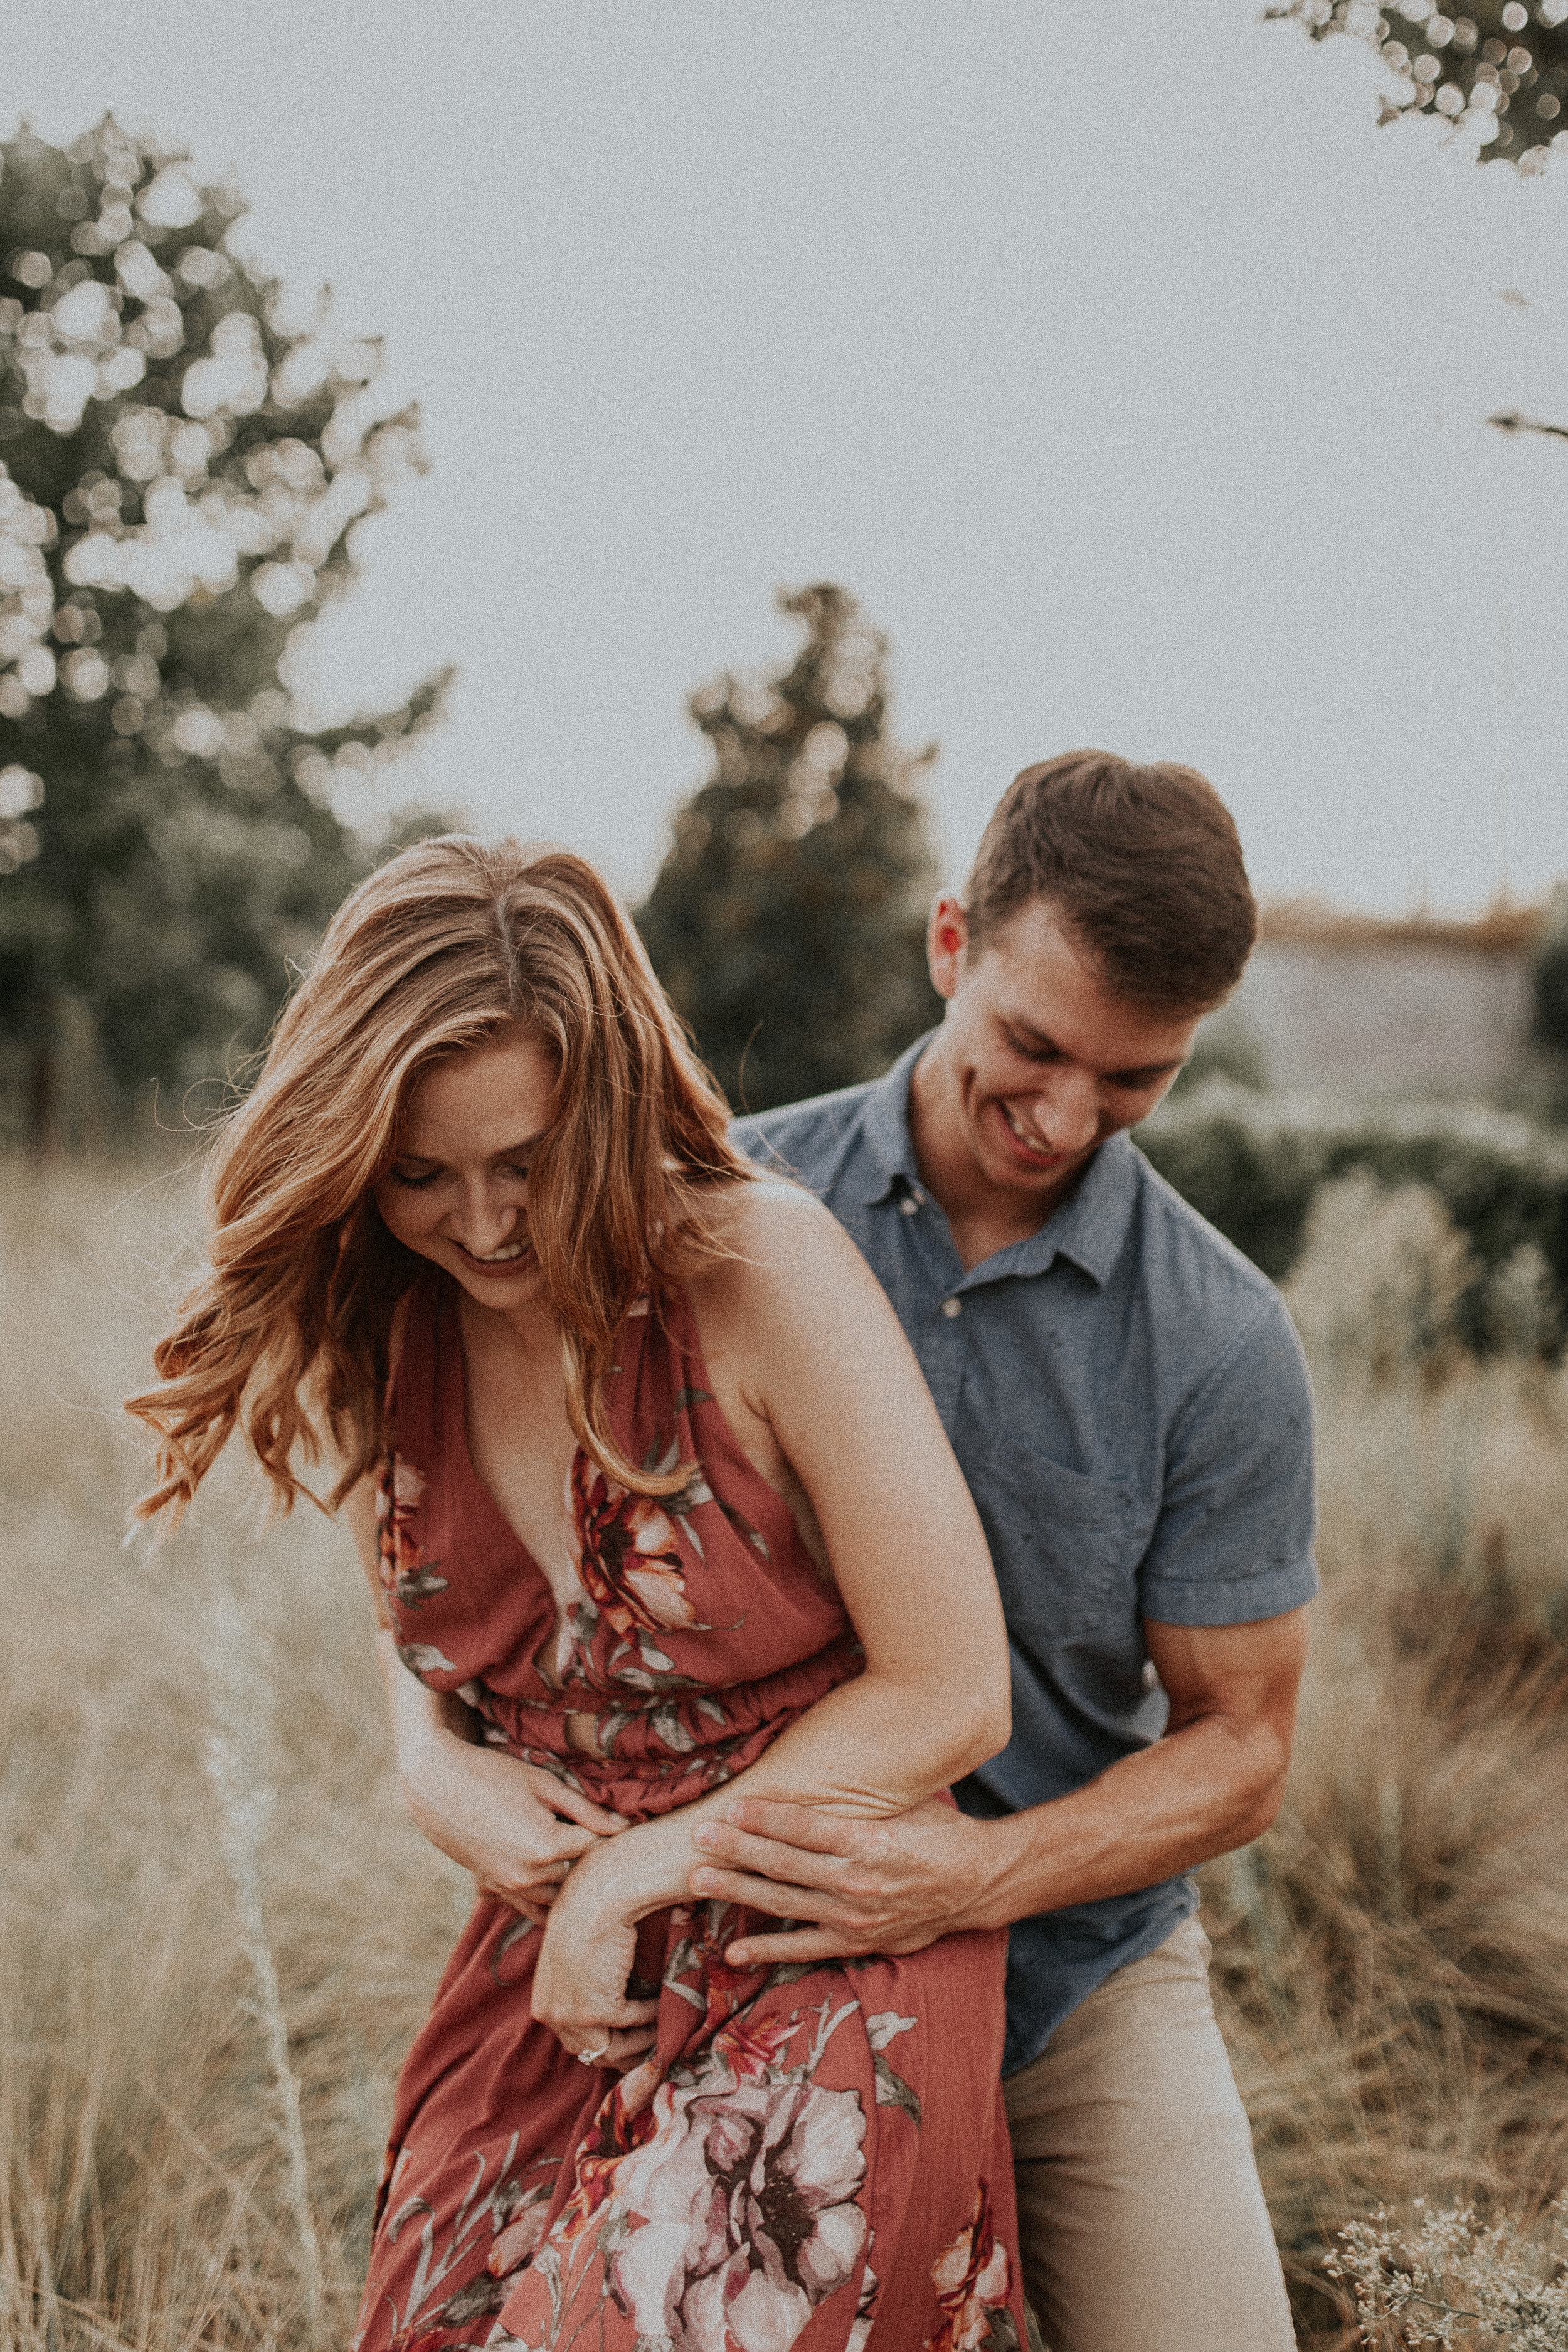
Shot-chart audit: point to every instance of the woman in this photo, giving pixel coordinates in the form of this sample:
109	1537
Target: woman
655	1504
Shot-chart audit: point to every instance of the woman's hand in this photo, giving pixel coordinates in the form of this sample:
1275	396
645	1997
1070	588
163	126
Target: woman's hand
499	1818
586	1959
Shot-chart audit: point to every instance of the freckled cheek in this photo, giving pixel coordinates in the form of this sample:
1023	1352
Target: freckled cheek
408	1216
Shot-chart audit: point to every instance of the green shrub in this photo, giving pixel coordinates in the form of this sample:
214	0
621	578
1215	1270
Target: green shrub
1252	1164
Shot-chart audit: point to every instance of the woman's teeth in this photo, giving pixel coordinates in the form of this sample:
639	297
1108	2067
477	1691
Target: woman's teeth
498	1257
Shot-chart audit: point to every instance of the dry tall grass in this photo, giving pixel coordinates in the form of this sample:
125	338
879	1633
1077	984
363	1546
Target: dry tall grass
147	2177
1391	1959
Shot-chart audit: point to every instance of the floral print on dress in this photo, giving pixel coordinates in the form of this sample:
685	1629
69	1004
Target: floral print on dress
973	2278
721	2198
765	2176
515	2208
632	1566
408	1578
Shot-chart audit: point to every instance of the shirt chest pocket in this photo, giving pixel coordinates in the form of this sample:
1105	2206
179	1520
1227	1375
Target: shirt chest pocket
1060	1541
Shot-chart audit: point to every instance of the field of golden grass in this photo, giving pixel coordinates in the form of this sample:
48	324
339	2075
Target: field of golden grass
1392	1960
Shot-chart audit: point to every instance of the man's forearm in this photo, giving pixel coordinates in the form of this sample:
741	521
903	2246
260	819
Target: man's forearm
1211	1784
1200	1791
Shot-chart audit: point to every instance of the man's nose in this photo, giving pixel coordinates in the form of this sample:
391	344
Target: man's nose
1067	1109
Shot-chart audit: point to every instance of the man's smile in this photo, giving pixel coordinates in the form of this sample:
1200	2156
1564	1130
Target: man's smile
1027	1144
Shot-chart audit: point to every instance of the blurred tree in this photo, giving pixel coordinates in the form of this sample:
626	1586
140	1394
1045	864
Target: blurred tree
1551	973
788	920
1499	72
178	475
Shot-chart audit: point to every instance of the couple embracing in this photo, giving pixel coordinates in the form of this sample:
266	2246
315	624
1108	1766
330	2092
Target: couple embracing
838	1571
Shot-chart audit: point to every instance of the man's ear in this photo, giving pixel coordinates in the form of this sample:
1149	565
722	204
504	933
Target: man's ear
947	942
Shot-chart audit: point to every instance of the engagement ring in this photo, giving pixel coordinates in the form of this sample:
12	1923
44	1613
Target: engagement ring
592	2057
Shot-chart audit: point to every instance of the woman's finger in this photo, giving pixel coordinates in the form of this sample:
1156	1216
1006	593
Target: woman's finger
563	1842
631	2014
617	2051
572	1804
591	2021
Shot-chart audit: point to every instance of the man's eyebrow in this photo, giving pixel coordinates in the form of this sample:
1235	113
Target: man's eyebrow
1144	1071
1026	1028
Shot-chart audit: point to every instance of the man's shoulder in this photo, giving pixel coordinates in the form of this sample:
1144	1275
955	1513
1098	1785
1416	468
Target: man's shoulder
810	1140
1191	1271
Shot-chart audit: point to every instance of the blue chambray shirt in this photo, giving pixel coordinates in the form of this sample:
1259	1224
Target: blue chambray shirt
1131	1408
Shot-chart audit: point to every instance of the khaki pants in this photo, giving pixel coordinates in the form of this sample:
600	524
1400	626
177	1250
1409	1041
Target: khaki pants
1141	2222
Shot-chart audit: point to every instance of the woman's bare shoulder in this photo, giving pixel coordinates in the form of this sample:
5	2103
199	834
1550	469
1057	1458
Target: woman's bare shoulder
777	1238
771	1213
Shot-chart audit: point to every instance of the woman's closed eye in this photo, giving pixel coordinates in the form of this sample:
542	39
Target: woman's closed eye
419	1183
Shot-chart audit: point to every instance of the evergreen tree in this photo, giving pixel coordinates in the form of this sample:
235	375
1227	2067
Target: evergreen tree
179	473
1500	70
788	920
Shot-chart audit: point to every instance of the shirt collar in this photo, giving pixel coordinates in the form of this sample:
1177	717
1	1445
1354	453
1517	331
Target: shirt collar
1090	1229
886	1127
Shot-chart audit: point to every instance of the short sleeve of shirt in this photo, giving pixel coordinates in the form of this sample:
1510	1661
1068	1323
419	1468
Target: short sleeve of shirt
1234	1539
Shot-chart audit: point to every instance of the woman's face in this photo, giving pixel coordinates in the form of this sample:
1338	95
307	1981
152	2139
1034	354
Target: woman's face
458	1191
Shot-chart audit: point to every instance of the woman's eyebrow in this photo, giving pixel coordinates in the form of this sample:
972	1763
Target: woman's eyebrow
508	1152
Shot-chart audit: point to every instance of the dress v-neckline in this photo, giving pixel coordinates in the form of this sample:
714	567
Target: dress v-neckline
449	1301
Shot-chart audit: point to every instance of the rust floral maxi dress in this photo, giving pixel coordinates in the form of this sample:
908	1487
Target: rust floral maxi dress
814	2155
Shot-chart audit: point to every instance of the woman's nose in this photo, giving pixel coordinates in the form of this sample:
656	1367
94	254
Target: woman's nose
482	1223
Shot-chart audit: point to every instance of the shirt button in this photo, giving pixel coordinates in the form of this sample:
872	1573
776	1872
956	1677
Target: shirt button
910	1207
951	1307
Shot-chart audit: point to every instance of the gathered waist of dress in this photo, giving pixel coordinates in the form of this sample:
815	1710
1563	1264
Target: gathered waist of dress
643	1753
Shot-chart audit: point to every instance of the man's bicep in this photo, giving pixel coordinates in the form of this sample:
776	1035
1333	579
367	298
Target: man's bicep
1249	1673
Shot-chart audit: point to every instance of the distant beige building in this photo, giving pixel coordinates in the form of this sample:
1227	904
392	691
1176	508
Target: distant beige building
1346	1003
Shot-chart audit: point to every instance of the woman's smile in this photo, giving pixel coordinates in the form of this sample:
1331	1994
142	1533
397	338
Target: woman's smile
509	1259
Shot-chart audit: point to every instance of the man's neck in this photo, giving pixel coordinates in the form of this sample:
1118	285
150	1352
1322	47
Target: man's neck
983	1217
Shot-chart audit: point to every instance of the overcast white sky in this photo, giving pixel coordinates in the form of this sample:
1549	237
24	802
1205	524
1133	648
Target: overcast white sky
1131	378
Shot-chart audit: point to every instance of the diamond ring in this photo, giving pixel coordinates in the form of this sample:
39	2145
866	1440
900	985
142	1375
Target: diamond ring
592	2057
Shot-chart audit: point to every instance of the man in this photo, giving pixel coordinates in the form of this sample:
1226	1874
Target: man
1133	1412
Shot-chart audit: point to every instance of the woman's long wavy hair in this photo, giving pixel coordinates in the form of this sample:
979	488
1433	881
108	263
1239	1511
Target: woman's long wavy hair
446	948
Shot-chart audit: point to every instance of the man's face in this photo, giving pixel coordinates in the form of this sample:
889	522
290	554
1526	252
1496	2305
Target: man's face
1042	1065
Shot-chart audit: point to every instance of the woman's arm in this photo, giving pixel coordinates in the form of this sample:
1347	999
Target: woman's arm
808	1341
495	1816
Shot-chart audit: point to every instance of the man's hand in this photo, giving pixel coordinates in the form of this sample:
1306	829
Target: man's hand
1213	1783
868	1886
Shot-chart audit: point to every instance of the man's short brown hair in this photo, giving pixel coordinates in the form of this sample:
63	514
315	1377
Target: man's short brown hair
1141	865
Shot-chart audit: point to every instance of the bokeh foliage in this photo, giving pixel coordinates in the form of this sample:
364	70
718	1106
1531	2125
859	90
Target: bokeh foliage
1498	72
180	471
788	920
1254	1164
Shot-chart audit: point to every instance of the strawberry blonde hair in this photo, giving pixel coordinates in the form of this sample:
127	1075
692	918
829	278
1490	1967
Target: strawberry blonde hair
444	949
